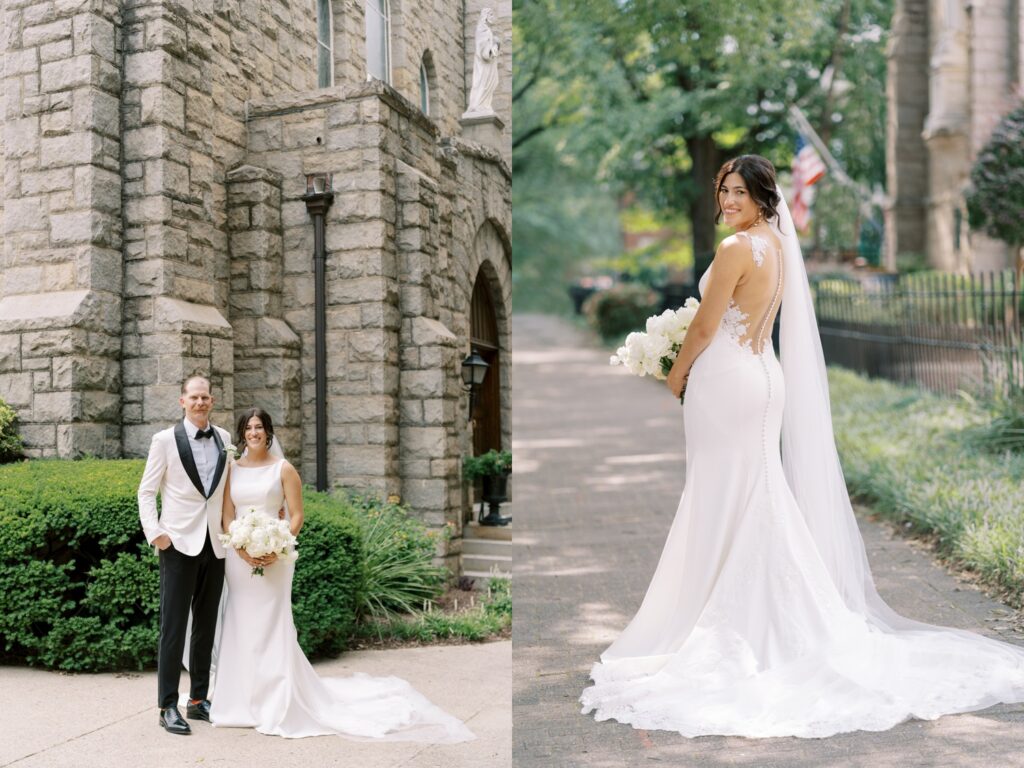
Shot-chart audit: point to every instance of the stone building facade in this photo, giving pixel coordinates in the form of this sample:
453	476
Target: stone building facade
955	69
155	156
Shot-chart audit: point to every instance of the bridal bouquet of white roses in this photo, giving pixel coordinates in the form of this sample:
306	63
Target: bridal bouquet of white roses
260	535
652	351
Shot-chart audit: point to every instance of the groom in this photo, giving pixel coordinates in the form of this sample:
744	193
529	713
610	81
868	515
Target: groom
186	467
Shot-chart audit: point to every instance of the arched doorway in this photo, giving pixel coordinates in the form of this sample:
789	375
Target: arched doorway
483	335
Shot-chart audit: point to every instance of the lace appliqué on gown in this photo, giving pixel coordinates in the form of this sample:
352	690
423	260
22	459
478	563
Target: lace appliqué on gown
758	246
734	326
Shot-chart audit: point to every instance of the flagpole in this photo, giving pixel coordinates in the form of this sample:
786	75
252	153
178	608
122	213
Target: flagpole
867	198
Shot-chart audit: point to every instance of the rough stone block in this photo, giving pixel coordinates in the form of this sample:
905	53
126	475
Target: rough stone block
78	227
359	409
422	384
25	214
79	148
67	73
423	442
163	105
10	352
57	407
21	137
45	33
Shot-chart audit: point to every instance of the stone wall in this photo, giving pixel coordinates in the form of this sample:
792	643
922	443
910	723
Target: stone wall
952	76
60	267
155	156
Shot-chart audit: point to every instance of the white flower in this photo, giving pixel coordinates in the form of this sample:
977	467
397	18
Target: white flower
644	352
260	535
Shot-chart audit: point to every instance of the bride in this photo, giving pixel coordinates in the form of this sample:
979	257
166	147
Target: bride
263	680
762	618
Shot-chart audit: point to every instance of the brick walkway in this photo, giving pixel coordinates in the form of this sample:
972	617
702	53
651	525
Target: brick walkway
598	473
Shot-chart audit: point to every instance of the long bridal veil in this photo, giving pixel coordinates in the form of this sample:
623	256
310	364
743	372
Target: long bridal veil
809	456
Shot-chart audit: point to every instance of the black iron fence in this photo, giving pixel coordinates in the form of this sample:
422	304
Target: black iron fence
941	331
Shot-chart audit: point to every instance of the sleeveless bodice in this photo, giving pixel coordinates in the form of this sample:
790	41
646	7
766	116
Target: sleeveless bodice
257	488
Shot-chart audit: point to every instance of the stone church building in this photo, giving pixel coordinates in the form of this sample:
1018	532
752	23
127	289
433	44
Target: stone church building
162	163
956	67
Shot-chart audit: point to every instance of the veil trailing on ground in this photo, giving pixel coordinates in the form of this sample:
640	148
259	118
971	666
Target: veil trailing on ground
809	455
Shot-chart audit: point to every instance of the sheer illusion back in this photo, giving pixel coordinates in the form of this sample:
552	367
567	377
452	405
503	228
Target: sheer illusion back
755	301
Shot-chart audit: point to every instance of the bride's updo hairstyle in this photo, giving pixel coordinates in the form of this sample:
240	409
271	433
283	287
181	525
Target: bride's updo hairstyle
243	420
759	176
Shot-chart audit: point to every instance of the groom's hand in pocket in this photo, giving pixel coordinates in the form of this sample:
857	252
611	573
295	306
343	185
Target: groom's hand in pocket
162	542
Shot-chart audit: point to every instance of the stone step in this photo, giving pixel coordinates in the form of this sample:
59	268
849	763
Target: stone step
486	547
484	563
493	532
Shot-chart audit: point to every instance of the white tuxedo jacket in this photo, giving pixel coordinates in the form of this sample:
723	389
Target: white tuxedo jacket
186	513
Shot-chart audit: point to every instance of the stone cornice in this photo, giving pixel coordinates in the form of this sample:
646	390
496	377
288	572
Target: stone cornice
479	152
302	101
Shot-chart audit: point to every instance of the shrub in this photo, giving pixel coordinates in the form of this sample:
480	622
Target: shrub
399	574
619	310
79	587
995	200
10	440
491	463
329	581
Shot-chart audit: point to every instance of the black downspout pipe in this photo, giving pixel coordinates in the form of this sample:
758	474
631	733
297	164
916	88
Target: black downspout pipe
317	204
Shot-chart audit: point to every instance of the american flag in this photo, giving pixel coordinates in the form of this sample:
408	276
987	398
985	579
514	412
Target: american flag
807	170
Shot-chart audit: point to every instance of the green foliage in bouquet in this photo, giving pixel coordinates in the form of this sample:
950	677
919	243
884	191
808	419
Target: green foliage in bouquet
398	571
79	587
619	310
10	440
995	200
493	463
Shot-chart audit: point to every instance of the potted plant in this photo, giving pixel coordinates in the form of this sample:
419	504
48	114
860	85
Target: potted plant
493	468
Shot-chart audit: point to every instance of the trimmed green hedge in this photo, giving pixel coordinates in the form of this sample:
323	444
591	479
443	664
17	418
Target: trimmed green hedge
79	586
620	310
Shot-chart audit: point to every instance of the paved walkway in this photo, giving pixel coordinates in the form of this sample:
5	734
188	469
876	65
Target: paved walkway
50	720
598	473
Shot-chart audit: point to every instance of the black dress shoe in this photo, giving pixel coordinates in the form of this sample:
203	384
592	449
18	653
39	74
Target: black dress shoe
198	711
172	721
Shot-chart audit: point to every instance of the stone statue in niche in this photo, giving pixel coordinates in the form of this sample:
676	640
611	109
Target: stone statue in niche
485	67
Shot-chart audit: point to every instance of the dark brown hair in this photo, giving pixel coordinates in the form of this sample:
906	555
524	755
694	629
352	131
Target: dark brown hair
759	176
243	421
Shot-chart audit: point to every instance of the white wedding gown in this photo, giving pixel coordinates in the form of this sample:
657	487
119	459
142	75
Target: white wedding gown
264	681
761	618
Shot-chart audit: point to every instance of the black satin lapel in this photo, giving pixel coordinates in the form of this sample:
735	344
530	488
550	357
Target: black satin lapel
222	459
187	461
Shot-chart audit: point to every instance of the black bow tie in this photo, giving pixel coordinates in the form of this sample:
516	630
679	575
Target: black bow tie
201	433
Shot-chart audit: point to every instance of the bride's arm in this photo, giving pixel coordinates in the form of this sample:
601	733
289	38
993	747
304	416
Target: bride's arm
731	259
227	509
292	484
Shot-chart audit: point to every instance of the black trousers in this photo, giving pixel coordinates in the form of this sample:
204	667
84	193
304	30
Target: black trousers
187	582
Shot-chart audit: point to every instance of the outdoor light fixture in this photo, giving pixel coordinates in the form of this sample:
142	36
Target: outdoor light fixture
318	199
474	369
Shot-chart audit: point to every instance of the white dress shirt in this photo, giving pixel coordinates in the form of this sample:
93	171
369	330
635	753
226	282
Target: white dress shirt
204	452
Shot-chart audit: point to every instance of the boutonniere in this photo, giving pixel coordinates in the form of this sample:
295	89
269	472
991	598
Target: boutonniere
232	451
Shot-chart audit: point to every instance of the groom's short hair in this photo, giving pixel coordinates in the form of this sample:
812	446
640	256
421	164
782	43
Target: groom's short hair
193	377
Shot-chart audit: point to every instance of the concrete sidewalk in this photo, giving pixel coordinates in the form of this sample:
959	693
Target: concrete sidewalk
598	473
110	720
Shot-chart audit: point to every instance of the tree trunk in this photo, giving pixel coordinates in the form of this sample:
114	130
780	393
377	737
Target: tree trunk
705	156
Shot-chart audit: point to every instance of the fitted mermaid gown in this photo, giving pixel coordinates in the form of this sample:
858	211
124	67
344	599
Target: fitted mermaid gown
744	630
263	679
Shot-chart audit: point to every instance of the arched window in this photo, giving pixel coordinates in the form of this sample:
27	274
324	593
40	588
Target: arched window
378	40
324	45
424	89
